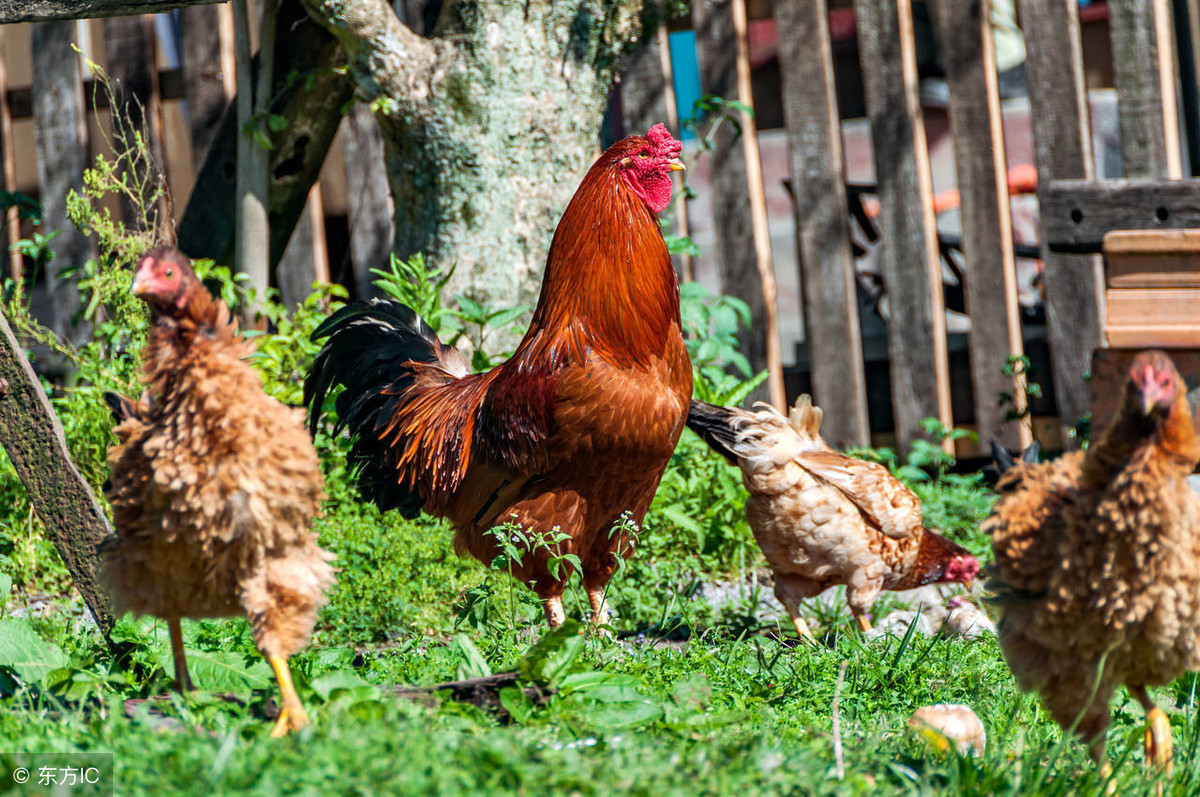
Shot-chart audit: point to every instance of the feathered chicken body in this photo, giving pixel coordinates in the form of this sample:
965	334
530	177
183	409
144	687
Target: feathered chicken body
214	484
823	518
574	430
1098	559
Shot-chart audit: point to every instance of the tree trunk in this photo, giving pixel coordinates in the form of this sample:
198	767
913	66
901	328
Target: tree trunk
480	170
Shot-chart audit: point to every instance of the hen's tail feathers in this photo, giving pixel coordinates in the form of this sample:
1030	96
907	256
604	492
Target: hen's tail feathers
806	418
371	350
715	426
122	408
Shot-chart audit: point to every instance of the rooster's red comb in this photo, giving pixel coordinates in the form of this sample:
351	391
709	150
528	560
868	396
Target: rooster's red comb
665	145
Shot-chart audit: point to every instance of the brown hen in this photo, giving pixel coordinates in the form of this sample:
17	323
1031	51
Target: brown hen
566	437
214	485
823	518
1098	560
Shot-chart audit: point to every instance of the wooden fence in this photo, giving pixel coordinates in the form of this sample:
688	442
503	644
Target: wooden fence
56	112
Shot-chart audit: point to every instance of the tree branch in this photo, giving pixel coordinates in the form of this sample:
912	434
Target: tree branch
388	60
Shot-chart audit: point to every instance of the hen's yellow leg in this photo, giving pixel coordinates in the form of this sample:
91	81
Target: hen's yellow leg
292	716
182	682
802	628
864	624
1158	732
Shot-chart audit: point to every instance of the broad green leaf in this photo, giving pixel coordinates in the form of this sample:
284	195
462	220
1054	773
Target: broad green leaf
474	664
27	654
337	681
551	658
222	670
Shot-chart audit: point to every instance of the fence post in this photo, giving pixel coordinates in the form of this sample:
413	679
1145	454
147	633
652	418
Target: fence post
1062	149
825	259
990	270
1143	58
912	272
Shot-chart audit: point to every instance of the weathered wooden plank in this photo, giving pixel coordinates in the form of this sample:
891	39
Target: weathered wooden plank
62	157
1152	259
305	261
918	361
132	54
370	200
643	89
8	170
1143	59
1062	149
208	71
1076	214
988	262
825	259
48	10
1146	336
737	260
33	438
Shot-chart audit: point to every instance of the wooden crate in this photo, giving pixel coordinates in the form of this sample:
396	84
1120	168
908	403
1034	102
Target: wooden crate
1152	288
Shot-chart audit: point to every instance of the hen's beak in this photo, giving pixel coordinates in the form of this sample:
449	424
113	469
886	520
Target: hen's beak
675	165
139	283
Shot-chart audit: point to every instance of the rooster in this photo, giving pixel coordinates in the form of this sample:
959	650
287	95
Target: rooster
214	485
823	518
1098	563
566	438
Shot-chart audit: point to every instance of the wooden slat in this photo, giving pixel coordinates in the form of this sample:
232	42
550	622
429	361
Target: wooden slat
370	216
990	269
716	51
759	224
1076	214
47	10
62	156
132	55
1143	58
919	366
825	259
643	89
305	260
1062	149
1152	259
1153	337
8	170
33	438
208	71
1153	306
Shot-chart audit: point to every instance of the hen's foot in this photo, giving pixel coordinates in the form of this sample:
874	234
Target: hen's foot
292	716
864	624
1158	741
803	630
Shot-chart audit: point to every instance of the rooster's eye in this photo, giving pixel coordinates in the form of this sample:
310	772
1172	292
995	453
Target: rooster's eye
644	153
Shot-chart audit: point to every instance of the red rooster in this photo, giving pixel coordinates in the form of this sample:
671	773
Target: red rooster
570	434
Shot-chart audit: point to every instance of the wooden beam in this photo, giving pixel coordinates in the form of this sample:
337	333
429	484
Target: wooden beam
47	10
825	259
1143	59
1076	214
912	272
370	213
33	438
1062	149
990	269
62	156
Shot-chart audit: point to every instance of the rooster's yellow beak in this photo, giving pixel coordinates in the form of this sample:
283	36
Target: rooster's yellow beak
675	165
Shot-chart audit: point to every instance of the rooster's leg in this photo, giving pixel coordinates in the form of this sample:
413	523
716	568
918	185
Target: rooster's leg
1158	732
555	615
292	716
182	682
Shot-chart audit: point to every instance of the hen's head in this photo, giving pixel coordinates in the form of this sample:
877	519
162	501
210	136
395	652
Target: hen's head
1154	385
962	569
163	280
646	163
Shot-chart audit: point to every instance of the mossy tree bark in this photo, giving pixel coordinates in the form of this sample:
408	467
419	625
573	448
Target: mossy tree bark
488	124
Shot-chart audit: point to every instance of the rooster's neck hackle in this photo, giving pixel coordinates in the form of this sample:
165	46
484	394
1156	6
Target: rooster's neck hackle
609	285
